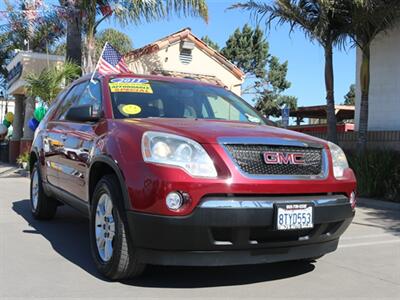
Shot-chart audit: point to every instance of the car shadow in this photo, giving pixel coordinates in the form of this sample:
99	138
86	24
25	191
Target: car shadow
68	235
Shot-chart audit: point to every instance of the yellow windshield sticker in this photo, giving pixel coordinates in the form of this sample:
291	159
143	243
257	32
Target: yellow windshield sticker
131	109
130	87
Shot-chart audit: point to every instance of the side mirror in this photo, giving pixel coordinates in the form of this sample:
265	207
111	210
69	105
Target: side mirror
82	113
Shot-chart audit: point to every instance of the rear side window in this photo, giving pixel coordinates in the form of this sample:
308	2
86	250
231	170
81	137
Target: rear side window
54	105
72	96
91	95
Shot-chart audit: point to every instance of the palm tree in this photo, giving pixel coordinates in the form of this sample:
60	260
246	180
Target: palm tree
321	21
20	28
367	19
134	11
46	85
74	32
50	81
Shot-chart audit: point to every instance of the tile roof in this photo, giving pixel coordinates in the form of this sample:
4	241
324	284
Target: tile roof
184	34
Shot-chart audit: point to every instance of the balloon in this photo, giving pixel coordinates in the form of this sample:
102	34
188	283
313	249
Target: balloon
6	123
3	129
33	124
9	117
39	113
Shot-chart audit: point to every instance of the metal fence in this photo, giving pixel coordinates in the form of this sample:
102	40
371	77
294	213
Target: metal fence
376	139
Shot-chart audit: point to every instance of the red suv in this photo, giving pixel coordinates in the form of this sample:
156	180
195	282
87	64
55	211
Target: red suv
178	172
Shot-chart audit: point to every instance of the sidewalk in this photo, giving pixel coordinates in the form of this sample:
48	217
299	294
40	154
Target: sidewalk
9	170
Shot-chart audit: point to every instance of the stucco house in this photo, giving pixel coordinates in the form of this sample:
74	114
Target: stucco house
182	54
384	92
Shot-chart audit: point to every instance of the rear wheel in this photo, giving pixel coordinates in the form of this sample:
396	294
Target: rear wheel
43	207
112	249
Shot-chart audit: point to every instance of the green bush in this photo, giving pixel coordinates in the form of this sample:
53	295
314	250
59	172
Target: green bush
377	172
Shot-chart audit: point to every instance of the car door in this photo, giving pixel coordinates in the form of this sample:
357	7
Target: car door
79	139
47	148
55	137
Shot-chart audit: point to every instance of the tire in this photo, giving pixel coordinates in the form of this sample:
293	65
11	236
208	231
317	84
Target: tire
43	207
108	229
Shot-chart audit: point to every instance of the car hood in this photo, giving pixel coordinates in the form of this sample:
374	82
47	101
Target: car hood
209	131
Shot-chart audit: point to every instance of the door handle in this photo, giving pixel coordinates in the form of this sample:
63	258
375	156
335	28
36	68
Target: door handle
63	137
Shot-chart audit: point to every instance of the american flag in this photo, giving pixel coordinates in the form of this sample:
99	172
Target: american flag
111	61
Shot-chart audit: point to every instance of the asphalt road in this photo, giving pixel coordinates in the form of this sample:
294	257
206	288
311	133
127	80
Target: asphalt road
52	260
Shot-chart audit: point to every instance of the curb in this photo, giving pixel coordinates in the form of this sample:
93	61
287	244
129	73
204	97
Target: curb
378	204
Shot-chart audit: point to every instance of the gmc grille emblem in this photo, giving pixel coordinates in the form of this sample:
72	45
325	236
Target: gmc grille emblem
282	158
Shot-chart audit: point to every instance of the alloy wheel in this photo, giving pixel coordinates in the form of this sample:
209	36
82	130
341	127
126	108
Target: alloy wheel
105	227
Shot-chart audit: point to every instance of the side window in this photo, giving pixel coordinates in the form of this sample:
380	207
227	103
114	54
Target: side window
205	113
91	95
223	109
54	105
69	100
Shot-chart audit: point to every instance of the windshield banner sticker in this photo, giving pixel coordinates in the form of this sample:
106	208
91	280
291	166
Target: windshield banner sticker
129	87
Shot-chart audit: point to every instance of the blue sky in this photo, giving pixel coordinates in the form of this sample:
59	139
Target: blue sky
306	60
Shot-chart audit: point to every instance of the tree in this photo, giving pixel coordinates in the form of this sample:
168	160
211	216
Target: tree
22	29
210	42
119	40
350	97
50	81
265	75
271	101
321	21
73	45
124	12
248	50
31	26
367	19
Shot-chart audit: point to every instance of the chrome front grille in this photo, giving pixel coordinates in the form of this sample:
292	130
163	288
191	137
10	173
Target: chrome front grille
250	158
248	154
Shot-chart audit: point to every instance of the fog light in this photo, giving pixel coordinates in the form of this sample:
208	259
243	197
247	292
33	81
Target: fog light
353	199
174	200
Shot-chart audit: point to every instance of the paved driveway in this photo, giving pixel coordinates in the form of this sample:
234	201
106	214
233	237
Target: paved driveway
52	259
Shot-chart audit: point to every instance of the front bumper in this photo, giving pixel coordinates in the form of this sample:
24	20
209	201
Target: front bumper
238	230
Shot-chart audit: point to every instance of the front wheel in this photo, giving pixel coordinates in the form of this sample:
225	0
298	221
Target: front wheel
111	247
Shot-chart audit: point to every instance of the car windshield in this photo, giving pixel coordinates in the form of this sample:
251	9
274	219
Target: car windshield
142	98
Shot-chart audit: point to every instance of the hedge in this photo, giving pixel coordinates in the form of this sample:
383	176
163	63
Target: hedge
378	173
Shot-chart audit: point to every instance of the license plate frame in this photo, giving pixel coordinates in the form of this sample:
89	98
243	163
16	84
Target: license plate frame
294	209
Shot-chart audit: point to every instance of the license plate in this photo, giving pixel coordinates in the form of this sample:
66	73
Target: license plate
294	216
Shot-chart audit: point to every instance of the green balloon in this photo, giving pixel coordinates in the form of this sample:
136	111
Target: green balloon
6	123
39	113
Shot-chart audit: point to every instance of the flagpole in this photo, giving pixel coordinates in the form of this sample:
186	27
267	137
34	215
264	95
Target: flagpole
98	61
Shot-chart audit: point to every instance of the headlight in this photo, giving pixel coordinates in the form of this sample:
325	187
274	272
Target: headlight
338	159
178	151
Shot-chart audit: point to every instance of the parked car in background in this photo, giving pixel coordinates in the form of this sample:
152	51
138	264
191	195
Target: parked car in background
178	172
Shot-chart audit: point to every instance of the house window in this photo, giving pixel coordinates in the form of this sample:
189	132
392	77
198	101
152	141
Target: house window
185	56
